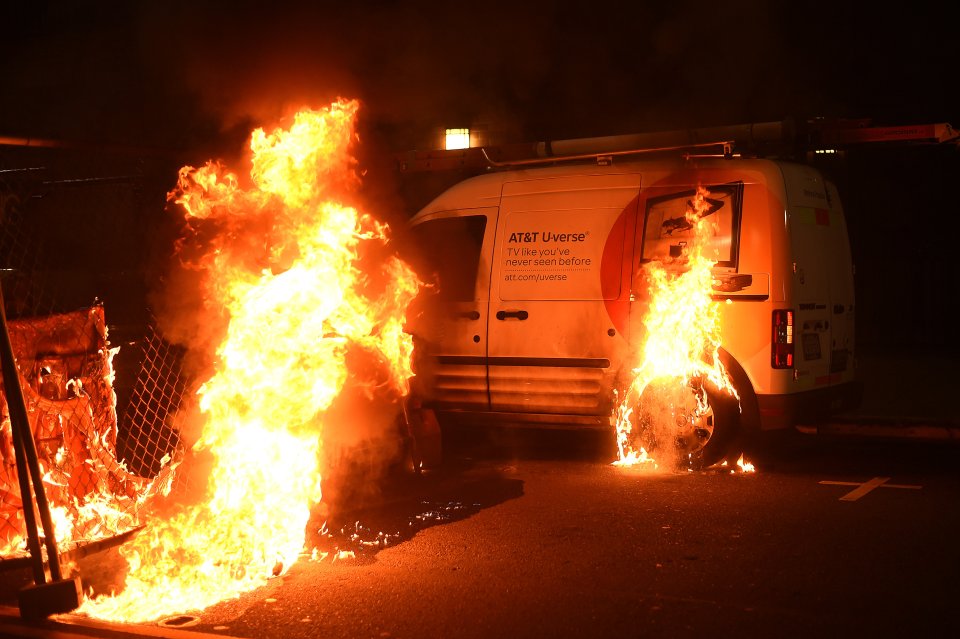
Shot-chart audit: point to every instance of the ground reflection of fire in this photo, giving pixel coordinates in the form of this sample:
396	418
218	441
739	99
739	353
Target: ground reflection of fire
280	264
666	409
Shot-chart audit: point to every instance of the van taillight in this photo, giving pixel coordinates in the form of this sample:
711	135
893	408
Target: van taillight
781	351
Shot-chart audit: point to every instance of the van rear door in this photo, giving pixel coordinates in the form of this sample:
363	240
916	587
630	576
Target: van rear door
815	233
841	293
557	283
450	330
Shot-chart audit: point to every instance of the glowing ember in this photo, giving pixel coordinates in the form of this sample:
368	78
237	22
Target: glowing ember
666	408
744	466
283	270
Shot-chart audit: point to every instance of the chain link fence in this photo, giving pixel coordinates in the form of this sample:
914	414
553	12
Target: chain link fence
101	385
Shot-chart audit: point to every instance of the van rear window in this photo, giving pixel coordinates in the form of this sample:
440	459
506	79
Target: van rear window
449	252
666	230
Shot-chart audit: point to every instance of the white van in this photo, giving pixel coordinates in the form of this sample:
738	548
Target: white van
537	315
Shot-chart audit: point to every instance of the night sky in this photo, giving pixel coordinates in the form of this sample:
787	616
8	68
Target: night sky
186	74
195	77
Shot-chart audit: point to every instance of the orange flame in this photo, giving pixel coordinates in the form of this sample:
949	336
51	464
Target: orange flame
680	351
283	268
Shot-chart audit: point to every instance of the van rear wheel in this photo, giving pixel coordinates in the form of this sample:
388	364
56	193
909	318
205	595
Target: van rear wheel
691	425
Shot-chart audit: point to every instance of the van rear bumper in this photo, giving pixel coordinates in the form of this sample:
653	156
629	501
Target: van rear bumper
808	407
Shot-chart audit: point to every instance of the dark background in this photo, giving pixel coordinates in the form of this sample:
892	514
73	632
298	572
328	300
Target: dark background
185	74
144	87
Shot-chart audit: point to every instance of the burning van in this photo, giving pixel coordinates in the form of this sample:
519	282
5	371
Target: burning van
544	296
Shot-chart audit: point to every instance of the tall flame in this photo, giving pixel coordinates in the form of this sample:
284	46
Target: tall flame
283	268
680	348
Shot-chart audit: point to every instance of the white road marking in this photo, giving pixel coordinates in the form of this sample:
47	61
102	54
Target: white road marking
865	487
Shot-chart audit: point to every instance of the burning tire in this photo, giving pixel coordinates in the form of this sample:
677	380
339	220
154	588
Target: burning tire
690	424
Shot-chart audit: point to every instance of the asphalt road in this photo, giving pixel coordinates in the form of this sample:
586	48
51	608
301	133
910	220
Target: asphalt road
541	537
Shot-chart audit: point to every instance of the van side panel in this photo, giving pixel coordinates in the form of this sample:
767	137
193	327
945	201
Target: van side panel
753	286
556	286
745	320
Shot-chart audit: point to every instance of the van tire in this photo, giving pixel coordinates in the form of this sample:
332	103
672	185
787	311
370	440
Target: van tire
681	442
726	429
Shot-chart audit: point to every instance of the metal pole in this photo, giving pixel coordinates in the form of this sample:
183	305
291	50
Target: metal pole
26	454
29	515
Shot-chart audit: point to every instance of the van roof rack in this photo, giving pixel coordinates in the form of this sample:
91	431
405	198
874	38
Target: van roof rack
603	158
787	138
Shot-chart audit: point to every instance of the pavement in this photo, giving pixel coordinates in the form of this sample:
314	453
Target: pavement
907	395
77	627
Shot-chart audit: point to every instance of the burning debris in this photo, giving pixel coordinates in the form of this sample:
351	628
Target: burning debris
309	304
680	396
66	367
744	466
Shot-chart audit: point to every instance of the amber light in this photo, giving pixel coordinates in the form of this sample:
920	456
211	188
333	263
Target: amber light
457	139
781	355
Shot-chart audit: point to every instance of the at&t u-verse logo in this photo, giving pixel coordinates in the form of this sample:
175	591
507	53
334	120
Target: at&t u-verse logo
546	236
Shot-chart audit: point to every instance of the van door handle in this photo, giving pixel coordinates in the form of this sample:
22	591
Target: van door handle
470	315
520	315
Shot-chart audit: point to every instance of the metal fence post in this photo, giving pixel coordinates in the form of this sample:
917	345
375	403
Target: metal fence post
60	595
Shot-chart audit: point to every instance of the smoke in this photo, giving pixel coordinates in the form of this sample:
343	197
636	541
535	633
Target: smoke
416	66
188	74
